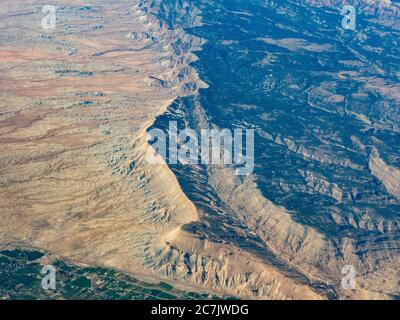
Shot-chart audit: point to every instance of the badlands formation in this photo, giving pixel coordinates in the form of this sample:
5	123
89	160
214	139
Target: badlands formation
75	106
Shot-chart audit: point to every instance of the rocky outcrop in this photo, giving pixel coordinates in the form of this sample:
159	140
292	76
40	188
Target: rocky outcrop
322	186
164	32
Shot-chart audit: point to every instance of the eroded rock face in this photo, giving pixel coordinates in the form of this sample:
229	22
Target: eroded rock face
338	212
75	179
73	172
385	12
224	268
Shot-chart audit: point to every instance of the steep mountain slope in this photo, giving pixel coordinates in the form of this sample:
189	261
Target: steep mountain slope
75	107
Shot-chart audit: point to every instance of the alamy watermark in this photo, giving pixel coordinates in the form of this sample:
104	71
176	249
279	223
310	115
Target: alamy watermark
209	147
49	21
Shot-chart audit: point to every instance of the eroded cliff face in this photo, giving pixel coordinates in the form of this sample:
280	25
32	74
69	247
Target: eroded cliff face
224	268
234	213
388	175
180	254
74	178
385	12
76	181
306	250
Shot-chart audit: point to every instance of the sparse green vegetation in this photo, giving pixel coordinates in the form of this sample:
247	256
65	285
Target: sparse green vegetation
20	279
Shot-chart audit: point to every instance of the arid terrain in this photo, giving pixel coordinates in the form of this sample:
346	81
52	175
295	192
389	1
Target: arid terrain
73	131
75	106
